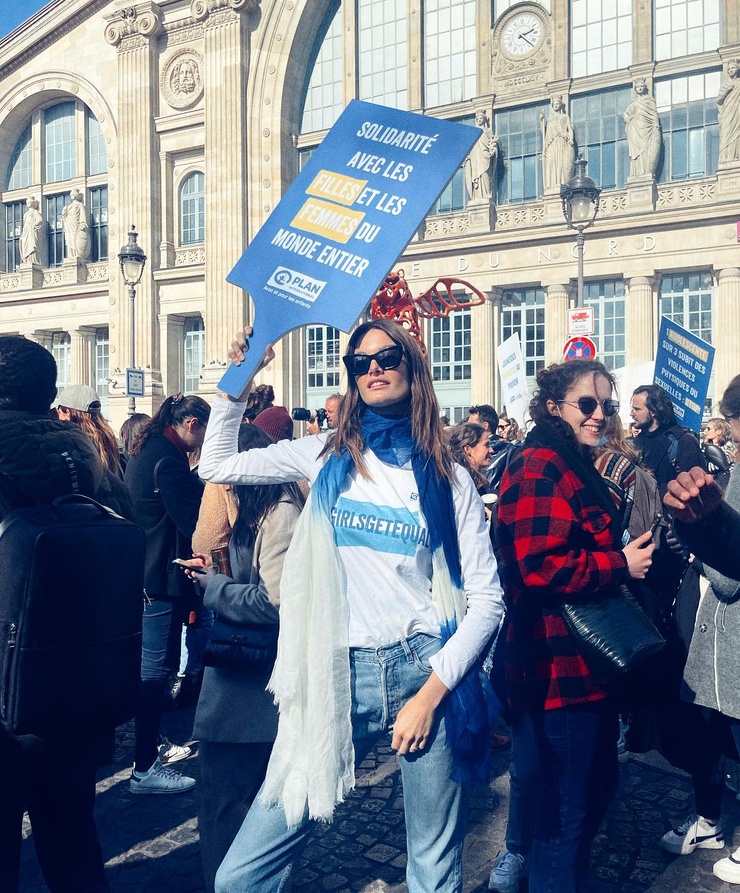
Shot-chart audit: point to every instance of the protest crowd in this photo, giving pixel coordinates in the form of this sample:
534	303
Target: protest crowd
568	589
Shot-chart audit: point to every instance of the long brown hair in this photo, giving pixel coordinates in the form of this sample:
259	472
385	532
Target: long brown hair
616	441
426	427
102	435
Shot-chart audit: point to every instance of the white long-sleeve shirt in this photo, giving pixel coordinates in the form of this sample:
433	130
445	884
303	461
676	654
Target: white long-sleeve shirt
382	540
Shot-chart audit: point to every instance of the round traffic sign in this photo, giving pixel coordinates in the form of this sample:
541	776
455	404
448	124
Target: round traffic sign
579	348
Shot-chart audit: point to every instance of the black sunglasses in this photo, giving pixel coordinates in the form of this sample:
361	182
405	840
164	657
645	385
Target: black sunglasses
587	405
387	358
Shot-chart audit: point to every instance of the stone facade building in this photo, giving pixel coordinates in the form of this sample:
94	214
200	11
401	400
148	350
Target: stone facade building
190	118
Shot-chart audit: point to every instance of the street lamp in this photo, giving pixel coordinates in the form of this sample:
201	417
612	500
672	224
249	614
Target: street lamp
580	198
132	260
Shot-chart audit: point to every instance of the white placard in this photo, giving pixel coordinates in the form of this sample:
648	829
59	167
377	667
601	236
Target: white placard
513	378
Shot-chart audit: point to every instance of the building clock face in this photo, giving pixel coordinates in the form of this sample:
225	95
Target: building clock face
522	35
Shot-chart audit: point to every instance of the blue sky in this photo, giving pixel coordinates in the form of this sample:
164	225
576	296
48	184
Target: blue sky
13	12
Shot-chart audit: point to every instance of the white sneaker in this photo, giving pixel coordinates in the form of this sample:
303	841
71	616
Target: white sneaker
172	753
508	869
728	869
160	780
695	833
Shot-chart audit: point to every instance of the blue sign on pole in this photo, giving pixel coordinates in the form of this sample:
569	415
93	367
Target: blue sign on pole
683	365
339	229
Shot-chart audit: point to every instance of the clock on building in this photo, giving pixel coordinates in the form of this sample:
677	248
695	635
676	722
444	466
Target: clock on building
522	35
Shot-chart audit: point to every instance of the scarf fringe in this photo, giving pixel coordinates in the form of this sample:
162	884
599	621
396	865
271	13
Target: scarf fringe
311	768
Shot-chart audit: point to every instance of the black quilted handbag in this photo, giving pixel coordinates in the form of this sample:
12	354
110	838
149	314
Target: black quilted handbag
241	646
613	634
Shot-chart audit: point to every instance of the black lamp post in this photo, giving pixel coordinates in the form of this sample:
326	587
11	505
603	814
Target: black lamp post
132	260
580	198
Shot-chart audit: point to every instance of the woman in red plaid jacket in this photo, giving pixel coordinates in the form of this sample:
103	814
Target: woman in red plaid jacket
561	540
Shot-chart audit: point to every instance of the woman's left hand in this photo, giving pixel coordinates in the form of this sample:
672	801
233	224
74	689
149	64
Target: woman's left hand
413	726
201	577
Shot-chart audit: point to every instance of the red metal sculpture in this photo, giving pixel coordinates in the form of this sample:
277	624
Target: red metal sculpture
393	300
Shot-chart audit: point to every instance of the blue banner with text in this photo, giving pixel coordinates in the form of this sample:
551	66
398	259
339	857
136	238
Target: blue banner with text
342	224
683	366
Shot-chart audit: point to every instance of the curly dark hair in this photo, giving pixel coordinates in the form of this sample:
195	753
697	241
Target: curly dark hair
28	375
554	382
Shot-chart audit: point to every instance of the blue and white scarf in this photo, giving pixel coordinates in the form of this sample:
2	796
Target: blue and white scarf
312	763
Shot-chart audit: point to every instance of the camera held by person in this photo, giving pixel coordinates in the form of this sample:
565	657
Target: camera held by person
312	416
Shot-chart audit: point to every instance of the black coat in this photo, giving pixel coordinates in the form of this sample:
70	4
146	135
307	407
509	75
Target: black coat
667	451
167	509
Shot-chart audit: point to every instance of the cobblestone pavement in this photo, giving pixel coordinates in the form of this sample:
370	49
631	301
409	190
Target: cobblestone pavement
151	842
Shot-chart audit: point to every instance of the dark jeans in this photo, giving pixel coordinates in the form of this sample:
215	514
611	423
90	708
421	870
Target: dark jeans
160	658
57	786
230	777
576	750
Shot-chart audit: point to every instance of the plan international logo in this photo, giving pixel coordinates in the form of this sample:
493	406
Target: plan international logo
297	284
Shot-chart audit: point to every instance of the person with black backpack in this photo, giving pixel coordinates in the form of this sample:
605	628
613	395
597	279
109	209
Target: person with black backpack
53	777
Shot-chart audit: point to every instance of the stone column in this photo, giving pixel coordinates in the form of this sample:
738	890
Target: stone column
170	211
556	322
82	352
726	325
172	346
483	386
415	52
561	39
225	63
639	312
132	30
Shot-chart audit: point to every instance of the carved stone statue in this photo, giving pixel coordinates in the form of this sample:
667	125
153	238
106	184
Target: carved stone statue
76	228
33	223
558	145
483	156
642	126
728	103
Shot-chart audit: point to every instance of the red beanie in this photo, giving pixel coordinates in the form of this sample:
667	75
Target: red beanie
276	422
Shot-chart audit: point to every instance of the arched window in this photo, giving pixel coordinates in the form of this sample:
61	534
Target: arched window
52	135
192	209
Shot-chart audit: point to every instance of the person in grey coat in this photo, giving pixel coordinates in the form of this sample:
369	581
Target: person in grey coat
710	527
236	719
713	666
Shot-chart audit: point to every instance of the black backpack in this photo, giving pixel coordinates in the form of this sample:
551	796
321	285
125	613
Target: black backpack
70	616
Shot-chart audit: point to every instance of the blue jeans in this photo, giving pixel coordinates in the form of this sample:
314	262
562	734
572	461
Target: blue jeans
264	850
160	655
576	751
524	787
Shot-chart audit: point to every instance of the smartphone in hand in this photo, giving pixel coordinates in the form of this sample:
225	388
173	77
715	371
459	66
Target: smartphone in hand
187	566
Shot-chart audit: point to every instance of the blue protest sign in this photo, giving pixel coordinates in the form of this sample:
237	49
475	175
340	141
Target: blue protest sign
339	229
683	365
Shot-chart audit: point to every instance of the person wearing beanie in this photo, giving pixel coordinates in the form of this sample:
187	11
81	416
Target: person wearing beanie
276	421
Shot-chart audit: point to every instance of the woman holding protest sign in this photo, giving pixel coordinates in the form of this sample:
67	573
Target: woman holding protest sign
389	594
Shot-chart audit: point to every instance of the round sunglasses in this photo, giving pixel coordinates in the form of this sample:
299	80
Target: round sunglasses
587	405
387	358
